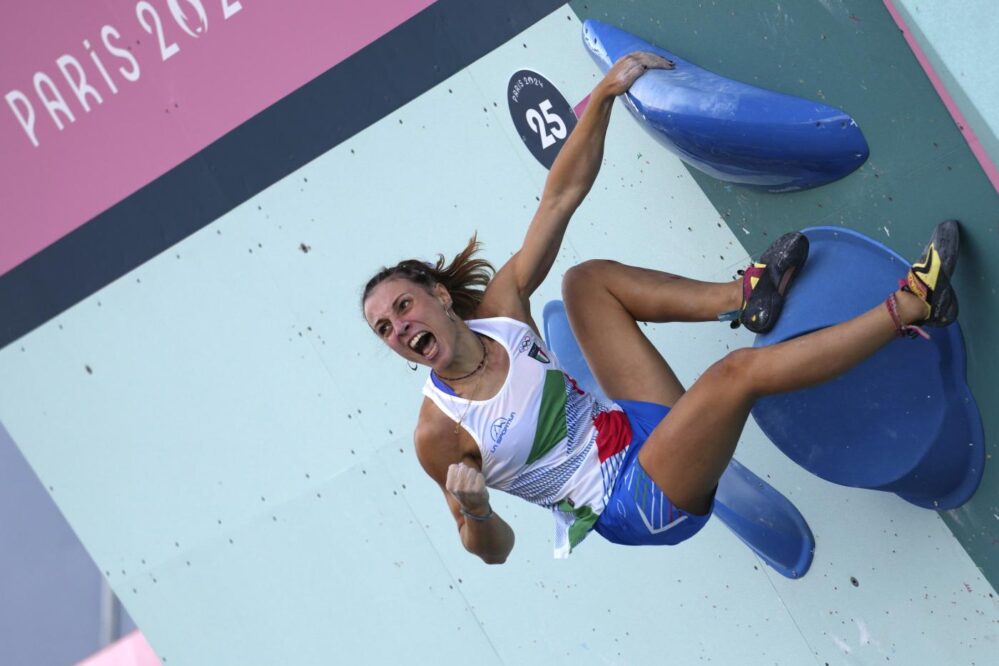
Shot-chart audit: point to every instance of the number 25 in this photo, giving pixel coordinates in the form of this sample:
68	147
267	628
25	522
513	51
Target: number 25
540	125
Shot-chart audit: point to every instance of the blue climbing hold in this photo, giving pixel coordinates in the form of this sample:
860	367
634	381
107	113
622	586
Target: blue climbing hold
562	341
902	421
730	130
764	520
755	511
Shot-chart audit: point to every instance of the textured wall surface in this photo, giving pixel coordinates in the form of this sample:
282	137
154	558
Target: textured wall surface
225	402
958	41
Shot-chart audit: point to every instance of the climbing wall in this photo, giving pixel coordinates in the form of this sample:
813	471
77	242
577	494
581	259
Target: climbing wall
921	170
185	367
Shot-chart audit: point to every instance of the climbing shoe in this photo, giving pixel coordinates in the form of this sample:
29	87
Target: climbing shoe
765	283
929	278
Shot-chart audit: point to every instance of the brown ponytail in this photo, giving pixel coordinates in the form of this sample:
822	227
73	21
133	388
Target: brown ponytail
465	278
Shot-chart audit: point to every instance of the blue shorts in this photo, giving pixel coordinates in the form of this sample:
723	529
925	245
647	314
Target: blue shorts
638	513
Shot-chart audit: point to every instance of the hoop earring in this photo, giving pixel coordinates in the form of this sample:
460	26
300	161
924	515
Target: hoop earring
412	366
450	313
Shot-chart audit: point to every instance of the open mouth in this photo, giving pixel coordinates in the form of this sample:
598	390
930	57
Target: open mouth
423	343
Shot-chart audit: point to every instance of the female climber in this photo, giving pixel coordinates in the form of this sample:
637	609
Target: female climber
642	467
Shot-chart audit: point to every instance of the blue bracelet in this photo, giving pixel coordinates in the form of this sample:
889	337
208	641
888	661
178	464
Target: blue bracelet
477	518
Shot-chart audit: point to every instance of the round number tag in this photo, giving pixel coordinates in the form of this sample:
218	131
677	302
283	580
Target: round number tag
540	113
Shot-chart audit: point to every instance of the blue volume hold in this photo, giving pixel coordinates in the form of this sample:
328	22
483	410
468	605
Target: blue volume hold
904	420
761	517
730	130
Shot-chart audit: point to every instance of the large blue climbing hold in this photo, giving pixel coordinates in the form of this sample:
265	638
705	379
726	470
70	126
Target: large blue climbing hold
904	420
730	130
761	517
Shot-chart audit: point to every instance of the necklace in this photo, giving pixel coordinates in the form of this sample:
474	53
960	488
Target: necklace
481	364
471	391
468	406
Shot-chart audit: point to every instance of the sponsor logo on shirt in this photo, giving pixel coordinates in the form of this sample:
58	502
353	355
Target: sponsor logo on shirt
526	342
499	428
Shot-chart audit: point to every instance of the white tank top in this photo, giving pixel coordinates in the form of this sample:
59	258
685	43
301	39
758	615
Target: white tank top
537	435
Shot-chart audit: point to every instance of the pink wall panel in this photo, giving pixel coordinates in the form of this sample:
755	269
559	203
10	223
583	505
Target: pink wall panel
131	650
100	98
